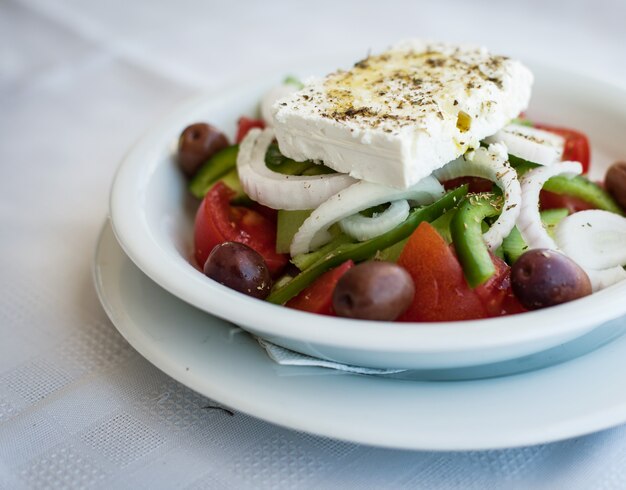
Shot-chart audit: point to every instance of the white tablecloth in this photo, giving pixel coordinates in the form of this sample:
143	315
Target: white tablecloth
79	83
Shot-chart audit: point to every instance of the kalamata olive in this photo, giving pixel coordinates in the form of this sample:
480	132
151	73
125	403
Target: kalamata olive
543	277
615	183
198	143
240	268
374	291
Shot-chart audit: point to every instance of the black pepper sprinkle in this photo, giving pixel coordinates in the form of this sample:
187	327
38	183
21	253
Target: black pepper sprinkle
418	82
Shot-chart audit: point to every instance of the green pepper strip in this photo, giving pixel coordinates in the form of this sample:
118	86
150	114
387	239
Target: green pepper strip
213	169
277	162
467	236
318	169
304	261
584	189
367	249
579	187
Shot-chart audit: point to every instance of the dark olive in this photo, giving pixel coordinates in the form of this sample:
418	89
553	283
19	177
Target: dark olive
374	291
542	278
615	183
240	268
198	143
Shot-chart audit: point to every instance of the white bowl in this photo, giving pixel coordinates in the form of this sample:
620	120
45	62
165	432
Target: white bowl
152	218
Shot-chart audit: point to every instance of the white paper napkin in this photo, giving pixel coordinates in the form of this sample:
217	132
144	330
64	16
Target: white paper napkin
287	357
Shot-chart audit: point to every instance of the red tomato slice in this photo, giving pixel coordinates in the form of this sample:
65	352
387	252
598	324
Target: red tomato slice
494	290
441	292
245	124
576	145
496	294
218	222
511	305
318	297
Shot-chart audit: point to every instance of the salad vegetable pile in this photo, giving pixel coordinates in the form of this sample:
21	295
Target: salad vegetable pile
511	225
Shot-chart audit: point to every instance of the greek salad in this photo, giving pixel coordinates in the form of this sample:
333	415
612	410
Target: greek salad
509	224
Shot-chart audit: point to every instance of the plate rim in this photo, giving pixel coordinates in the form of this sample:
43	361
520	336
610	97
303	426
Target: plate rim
584	424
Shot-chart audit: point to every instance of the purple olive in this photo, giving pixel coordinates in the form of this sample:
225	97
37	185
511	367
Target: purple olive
239	267
198	143
542	278
615	183
374	291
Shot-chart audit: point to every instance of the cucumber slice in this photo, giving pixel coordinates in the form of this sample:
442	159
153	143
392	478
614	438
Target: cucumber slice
287	225
442	225
551	218
231	179
391	254
514	245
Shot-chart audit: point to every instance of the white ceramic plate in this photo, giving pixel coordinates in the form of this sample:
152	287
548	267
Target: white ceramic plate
221	361
152	219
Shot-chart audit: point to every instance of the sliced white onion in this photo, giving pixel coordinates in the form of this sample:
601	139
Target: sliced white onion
604	278
314	231
271	97
280	191
362	228
594	239
490	163
536	236
532	144
529	220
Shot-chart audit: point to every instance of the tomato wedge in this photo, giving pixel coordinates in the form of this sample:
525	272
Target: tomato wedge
245	124
496	294
576	144
441	292
318	297
218	222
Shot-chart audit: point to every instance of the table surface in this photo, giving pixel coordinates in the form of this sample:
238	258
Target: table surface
80	81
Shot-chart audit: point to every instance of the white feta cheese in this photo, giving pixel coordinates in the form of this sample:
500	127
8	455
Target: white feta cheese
395	117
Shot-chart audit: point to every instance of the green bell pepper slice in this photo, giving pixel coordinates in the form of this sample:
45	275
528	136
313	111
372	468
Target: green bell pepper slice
467	236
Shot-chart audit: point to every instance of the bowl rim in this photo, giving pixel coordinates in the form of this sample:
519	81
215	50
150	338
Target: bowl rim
176	275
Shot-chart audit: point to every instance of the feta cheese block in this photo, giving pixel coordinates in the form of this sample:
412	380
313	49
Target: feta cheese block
395	117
